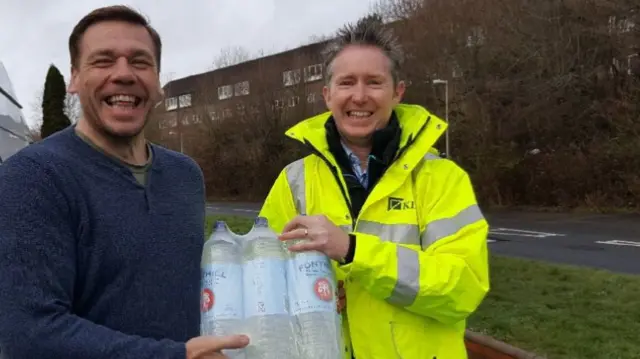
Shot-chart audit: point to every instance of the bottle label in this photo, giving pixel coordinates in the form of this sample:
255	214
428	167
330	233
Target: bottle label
311	284
221	291
265	287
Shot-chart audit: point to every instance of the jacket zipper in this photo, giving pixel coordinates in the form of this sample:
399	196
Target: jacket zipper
334	170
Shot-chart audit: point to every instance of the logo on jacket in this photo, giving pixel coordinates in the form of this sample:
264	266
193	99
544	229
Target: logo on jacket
399	204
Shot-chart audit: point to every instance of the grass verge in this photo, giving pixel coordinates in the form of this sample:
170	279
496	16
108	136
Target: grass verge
561	312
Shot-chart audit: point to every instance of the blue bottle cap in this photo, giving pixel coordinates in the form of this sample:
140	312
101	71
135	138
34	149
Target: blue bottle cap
261	222
220	226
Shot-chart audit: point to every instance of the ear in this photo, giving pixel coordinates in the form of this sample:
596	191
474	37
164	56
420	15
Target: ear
158	96
73	82
399	92
326	93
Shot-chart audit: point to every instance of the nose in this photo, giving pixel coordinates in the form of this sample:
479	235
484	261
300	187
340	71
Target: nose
122	73
359	95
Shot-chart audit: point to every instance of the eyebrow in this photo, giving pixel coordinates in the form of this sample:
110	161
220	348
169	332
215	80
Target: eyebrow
111	53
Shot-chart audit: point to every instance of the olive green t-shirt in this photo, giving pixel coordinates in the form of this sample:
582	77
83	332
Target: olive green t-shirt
138	171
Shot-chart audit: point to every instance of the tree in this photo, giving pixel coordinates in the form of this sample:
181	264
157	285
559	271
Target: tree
54	96
230	56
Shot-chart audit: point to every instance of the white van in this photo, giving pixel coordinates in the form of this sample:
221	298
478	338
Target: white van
14	132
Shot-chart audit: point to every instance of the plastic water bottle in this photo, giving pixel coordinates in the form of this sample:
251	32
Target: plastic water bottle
221	301
313	293
265	295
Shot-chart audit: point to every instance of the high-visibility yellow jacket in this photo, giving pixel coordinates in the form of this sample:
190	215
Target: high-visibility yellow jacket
420	266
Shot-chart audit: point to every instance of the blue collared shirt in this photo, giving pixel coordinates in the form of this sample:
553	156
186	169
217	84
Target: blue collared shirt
361	174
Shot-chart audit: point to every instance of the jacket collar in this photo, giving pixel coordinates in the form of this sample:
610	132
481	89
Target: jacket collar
420	129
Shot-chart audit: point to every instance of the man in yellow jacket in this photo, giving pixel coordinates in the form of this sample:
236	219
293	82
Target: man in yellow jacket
401	224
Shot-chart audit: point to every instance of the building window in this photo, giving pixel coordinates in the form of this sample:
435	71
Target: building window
311	97
291	77
278	104
196	119
225	92
184	100
167	123
313	73
186	120
213	115
240	109
226	113
241	88
293	101
456	72
171	103
620	26
477	37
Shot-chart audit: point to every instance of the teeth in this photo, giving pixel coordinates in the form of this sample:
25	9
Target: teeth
122	98
359	114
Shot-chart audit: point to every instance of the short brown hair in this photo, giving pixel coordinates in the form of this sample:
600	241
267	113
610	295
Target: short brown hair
369	31
111	13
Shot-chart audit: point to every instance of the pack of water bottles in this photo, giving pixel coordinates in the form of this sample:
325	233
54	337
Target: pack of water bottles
284	301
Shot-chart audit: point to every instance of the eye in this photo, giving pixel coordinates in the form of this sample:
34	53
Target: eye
102	61
141	63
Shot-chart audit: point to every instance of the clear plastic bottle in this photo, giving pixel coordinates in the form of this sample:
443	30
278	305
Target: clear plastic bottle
312	292
221	298
266	311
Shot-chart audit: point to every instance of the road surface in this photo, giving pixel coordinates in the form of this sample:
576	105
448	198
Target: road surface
610	242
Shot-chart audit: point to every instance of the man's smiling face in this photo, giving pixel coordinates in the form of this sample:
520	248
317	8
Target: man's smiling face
116	77
362	92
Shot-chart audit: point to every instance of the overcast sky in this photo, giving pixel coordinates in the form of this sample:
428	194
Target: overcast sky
34	33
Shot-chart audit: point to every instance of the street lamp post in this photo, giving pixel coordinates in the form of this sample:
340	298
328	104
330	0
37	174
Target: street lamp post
446	112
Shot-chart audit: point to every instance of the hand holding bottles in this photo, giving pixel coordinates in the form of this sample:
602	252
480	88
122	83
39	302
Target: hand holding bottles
210	346
320	233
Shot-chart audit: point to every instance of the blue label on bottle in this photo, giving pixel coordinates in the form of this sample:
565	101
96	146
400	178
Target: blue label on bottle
311	284
265	287
221	291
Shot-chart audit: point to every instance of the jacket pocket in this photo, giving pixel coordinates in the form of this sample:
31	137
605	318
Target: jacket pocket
412	341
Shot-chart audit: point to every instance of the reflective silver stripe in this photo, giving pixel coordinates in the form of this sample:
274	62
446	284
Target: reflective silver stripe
408	282
396	233
295	177
346	227
445	227
430	156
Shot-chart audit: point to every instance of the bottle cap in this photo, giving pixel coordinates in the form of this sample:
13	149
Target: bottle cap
261	222
220	226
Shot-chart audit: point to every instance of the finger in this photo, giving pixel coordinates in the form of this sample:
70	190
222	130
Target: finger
215	344
293	234
305	246
297	221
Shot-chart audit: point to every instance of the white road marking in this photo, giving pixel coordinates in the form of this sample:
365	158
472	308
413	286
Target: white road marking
616	242
523	233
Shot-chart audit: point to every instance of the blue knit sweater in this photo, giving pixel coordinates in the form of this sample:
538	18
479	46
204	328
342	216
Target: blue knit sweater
92	264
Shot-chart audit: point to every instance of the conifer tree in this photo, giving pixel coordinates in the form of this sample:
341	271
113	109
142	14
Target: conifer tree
54	118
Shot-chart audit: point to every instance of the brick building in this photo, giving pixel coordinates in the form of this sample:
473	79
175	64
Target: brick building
273	85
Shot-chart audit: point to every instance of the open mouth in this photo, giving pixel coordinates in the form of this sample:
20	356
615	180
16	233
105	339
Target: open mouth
122	101
359	114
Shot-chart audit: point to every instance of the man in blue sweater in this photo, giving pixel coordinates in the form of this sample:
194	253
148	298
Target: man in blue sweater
101	232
